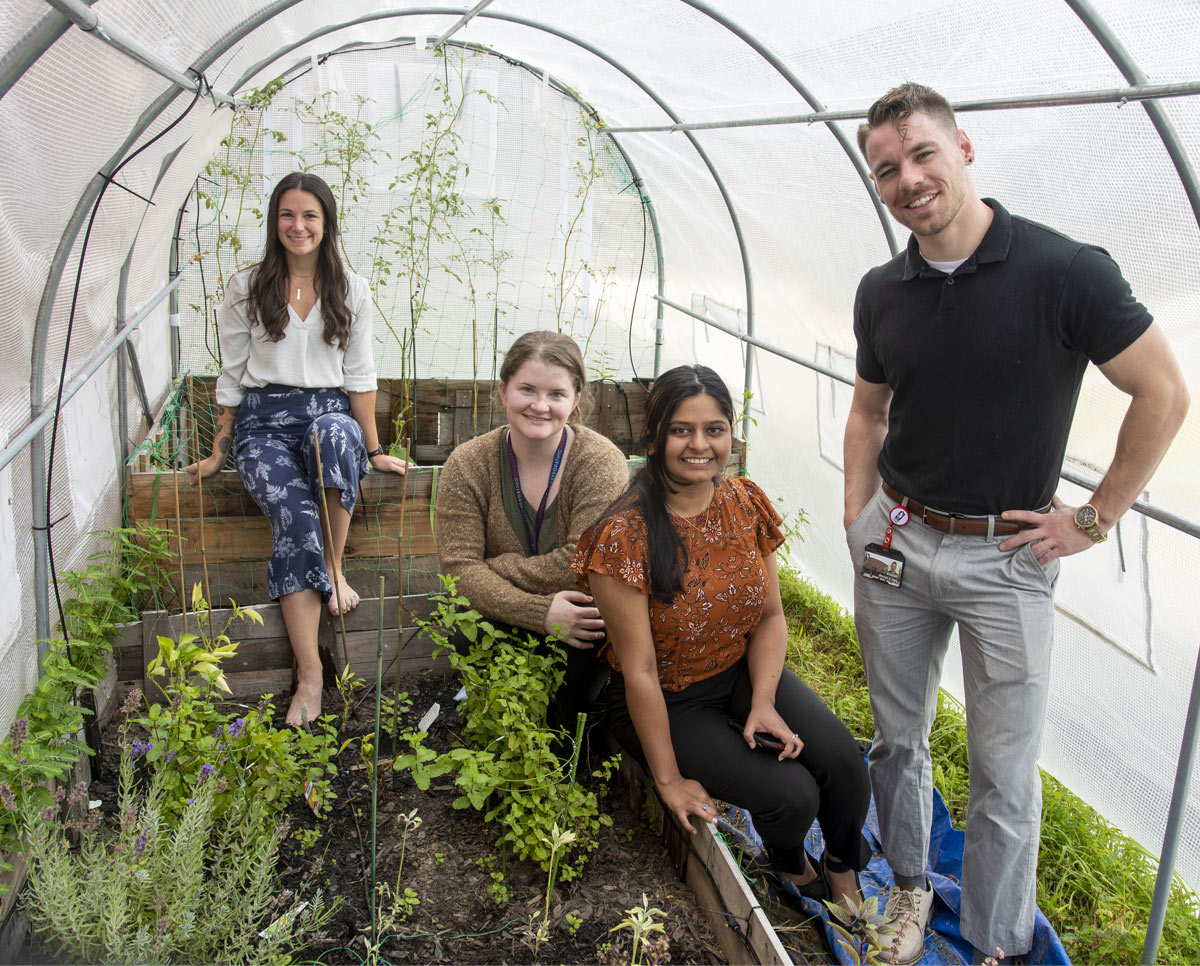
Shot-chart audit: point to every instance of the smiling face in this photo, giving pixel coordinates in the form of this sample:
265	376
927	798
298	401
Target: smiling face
300	223
919	166
698	441
538	398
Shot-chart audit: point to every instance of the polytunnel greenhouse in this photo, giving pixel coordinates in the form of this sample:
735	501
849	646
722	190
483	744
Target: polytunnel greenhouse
669	182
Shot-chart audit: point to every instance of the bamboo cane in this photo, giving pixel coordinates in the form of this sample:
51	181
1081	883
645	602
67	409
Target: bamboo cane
200	494
328	531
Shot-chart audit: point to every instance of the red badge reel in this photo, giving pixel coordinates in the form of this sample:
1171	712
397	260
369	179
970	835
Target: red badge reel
881	562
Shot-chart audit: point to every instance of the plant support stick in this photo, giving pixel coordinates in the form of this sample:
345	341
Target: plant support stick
328	531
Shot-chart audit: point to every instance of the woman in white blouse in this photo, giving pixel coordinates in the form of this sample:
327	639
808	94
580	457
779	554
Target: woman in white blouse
296	356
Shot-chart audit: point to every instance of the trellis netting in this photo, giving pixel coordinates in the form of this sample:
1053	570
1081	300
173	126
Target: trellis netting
762	228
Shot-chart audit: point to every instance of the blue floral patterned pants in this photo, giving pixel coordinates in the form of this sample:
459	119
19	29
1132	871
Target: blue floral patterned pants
277	462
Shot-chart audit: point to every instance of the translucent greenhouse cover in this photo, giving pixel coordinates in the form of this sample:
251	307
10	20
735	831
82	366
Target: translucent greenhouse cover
1126	641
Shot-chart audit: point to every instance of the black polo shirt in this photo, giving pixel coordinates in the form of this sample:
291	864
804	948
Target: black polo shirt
985	364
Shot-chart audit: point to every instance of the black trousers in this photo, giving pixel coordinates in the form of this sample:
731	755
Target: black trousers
827	782
583	680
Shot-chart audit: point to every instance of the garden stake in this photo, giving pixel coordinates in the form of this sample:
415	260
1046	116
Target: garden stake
580	721
375	766
400	570
179	541
200	494
328	531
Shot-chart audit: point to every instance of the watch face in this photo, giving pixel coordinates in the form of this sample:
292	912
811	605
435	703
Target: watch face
1085	516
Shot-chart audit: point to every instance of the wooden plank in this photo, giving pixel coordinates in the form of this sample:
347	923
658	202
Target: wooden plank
712	873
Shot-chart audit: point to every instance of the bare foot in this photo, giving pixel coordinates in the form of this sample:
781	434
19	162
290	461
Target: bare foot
306	705
346	594
842	888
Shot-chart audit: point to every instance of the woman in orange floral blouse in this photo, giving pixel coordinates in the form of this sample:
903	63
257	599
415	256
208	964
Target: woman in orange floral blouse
683	570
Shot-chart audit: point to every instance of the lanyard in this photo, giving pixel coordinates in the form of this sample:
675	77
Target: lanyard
541	511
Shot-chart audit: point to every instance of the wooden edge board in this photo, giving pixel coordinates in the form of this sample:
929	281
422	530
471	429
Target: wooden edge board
713	875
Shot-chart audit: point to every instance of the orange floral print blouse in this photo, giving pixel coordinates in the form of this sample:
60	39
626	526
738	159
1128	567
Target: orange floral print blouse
706	629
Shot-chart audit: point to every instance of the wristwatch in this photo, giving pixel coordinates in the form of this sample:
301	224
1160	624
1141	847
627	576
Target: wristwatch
379	451
1088	520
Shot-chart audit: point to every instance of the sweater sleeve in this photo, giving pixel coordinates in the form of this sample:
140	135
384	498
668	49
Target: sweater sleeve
358	362
597	475
460	530
233	326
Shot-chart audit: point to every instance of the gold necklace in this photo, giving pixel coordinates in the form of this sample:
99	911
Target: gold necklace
294	277
690	521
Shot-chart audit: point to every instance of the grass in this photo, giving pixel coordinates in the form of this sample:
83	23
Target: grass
1095	884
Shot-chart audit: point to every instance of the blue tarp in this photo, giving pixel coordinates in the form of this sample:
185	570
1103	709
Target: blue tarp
943	942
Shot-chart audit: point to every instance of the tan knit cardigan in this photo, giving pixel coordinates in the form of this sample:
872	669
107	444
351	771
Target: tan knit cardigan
477	544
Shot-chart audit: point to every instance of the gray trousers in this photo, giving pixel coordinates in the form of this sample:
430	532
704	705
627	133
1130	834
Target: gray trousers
1003	604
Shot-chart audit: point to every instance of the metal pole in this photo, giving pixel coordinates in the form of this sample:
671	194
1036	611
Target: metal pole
34	427
26	51
462	22
1170	847
851	150
1175	522
1113	95
1158	117
1187	177
81	15
570	38
37	446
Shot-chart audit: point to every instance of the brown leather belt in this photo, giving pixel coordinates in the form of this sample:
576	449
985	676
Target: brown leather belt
956	523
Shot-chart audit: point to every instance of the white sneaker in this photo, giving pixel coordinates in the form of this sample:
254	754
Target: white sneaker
907	911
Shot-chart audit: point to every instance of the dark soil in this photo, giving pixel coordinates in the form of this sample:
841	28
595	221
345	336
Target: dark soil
447	861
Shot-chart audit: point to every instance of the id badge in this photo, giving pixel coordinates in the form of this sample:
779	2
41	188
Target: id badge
884	564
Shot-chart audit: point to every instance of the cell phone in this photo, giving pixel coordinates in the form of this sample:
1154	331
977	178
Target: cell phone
762	739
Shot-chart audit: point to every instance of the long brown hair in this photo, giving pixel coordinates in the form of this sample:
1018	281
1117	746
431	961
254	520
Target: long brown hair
554	349
268	296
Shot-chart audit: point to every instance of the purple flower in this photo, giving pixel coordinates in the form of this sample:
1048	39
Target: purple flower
220	731
140	845
190	800
237	728
18	733
169	756
205	773
7	797
140	749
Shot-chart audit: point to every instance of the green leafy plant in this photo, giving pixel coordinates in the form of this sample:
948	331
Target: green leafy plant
246	754
393	904
199	889
508	767
42	745
861	932
643	921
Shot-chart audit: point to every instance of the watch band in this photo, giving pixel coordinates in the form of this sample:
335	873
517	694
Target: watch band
377	451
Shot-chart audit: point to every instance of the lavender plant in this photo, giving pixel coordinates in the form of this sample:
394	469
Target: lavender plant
156	890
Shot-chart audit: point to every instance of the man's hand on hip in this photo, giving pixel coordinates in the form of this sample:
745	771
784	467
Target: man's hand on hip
1053	534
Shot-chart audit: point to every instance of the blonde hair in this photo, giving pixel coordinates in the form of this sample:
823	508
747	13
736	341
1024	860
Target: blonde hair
555	349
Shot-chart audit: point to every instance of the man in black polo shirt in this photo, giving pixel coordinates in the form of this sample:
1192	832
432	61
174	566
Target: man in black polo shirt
972	344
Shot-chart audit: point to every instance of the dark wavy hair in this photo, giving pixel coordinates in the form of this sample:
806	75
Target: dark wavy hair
555	349
650	486
268	296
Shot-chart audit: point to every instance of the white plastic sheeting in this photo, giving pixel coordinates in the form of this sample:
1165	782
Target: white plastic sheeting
1126	641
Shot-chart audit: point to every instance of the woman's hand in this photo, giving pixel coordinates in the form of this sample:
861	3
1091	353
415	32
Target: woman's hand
390	464
766	718
572	616
209	466
686	798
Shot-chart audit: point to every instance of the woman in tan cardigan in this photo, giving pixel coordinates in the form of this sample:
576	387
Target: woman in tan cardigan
512	503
